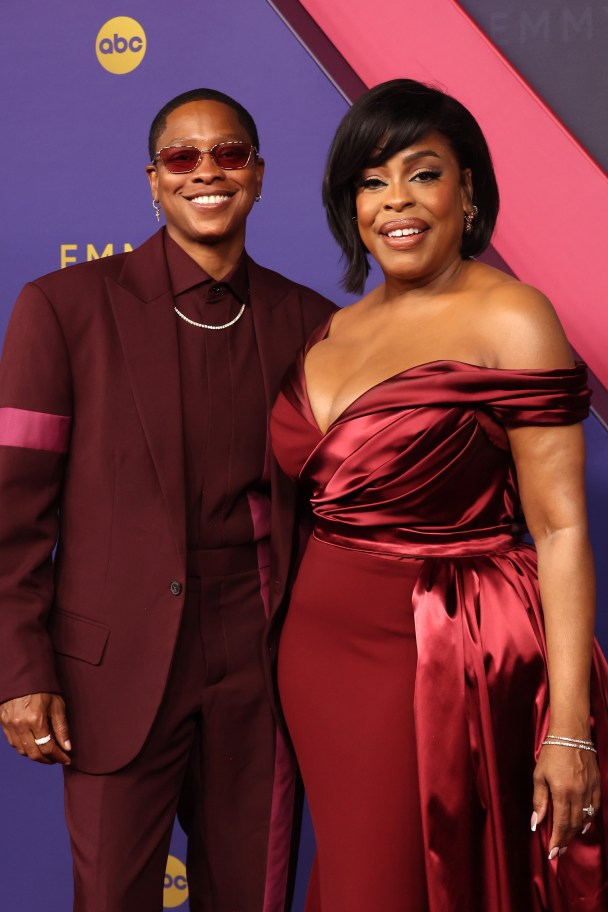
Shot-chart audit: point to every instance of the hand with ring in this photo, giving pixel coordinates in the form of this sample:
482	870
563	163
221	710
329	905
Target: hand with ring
36	726
569	778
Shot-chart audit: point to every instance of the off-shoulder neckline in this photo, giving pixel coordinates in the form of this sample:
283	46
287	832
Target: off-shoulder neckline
427	364
323	331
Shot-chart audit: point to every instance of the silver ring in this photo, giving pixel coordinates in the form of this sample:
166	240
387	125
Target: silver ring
47	738
589	811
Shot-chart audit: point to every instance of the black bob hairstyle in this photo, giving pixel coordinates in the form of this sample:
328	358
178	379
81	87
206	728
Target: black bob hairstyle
395	115
160	121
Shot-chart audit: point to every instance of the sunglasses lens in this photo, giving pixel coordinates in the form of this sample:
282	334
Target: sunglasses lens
230	156
180	159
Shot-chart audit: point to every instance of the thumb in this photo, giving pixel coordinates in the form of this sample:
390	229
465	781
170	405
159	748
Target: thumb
60	723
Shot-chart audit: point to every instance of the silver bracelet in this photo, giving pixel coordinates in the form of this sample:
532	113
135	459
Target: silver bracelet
566	742
572	740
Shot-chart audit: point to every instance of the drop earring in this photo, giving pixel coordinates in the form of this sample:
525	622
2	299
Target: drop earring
258	198
156	206
469	219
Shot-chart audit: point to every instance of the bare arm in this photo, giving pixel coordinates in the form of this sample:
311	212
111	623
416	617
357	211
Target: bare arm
549	465
550	471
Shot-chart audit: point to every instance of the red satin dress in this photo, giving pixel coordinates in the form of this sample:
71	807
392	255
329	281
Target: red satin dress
412	663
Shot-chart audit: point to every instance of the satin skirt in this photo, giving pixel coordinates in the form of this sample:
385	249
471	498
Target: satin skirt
347	667
416	696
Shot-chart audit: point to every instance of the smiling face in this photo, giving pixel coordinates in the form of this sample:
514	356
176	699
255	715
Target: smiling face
410	211
207	206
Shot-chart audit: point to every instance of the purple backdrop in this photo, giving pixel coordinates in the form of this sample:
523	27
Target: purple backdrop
73	160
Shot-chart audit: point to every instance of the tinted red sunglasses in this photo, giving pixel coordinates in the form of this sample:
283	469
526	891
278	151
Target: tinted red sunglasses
229	156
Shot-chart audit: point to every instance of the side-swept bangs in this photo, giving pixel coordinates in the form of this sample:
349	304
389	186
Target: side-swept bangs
393	116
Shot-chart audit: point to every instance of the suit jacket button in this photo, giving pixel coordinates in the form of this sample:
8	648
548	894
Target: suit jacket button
175	588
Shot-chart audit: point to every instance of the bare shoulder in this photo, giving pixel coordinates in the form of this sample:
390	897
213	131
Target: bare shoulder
519	326
352	317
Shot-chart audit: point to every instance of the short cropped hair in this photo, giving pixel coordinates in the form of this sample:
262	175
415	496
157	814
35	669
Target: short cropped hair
160	121
397	114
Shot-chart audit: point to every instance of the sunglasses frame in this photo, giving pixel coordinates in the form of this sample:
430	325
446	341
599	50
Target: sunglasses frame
230	142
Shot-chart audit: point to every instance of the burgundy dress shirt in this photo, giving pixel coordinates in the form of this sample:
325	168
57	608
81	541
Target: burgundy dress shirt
223	404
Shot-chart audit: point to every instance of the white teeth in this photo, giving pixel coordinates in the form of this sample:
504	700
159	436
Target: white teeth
208	199
404	232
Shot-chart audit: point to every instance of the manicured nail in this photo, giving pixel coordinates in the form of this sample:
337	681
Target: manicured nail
533	821
68	745
563	851
586	829
553	853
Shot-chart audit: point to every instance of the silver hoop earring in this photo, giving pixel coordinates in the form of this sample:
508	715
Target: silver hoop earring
469	218
156	206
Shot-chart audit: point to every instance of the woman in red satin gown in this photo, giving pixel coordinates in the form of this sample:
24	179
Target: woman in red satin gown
418	672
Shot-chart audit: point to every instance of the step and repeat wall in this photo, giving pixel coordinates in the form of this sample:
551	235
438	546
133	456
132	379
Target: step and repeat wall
82	82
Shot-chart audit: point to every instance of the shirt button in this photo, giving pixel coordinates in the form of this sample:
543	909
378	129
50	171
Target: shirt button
175	588
216	289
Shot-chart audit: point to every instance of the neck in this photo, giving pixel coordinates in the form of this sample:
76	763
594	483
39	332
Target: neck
424	286
217	258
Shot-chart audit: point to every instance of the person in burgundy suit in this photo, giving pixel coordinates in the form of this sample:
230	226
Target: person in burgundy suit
134	400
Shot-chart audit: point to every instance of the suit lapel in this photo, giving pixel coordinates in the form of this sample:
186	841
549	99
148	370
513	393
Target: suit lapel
142	303
275	334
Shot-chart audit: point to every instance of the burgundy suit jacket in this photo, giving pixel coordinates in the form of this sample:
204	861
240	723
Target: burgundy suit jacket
91	457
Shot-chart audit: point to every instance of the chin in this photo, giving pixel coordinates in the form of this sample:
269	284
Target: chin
209	236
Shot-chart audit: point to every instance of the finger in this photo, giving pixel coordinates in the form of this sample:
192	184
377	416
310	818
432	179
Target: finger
561	833
48	750
594	802
59	723
14	742
32	750
56	754
540	803
7	734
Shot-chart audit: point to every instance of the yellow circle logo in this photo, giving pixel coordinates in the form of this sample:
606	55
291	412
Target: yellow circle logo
176	884
120	45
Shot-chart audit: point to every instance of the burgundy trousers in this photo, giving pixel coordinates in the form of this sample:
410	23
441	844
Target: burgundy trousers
212	753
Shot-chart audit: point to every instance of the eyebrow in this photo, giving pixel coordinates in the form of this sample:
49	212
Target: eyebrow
191	140
422	154
410	157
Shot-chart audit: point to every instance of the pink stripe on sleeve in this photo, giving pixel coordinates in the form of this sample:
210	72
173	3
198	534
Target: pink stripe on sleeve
34	430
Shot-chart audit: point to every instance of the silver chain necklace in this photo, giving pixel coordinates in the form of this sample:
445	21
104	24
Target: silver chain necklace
208	325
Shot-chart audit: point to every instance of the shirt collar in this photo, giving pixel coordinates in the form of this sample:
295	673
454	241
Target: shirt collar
185	273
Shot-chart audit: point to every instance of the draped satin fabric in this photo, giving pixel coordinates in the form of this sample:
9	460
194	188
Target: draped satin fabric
419	466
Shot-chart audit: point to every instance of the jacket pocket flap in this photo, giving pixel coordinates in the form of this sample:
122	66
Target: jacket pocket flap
78	637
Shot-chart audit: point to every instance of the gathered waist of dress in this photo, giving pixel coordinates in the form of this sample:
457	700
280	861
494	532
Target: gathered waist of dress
402	542
207	562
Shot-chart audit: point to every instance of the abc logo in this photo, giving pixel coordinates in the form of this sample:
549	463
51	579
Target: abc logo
120	45
176	885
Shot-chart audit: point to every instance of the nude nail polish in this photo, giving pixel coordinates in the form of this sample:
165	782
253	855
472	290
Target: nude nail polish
533	821
585	829
553	853
563	851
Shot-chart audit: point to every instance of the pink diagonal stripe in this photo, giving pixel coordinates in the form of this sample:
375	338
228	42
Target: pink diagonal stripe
34	430
551	230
